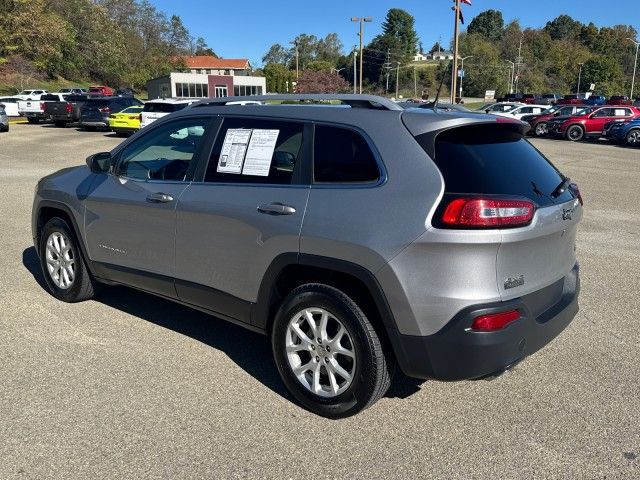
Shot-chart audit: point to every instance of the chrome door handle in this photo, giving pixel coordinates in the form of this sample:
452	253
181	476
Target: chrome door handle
159	198
276	208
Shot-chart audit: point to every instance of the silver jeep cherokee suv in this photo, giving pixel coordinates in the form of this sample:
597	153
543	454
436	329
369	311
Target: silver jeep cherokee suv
358	238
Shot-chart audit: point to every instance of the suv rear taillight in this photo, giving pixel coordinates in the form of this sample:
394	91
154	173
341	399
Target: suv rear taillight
104	110
487	213
576	191
494	321
42	106
68	108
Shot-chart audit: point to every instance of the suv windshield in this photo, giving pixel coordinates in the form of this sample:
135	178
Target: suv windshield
495	159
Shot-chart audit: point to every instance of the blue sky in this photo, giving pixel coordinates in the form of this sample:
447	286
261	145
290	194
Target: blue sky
247	28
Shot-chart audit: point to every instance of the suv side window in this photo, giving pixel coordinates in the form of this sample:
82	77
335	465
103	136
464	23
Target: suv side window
604	112
341	155
250	150
164	153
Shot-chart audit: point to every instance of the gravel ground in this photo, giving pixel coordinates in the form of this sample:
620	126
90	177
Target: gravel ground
132	386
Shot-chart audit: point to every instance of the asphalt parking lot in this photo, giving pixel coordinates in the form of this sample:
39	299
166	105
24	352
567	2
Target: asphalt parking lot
132	386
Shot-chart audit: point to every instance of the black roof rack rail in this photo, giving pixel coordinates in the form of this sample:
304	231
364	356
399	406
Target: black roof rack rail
373	102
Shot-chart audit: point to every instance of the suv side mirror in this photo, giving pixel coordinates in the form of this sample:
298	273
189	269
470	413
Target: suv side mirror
99	162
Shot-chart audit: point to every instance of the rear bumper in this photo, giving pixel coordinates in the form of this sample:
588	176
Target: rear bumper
457	353
94	123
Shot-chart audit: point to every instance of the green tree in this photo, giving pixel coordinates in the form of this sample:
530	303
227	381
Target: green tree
329	49
320	66
277	54
279	78
605	73
399	28
563	27
489	24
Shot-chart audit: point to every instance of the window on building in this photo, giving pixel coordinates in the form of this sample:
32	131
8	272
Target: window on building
192	90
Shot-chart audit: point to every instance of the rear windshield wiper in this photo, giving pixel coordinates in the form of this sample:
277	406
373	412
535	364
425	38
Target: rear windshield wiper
562	186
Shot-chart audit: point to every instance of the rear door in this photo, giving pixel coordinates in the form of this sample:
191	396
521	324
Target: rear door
480	160
246	210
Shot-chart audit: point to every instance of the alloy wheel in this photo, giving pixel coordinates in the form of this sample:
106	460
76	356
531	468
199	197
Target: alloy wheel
320	352
633	138
60	260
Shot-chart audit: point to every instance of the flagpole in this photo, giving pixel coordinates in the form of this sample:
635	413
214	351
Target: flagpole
454	70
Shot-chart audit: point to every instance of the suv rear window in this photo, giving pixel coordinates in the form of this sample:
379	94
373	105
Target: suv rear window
495	160
342	156
163	107
49	98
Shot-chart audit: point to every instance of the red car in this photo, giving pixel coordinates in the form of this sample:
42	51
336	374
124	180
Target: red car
574	99
539	122
101	90
530	98
591	123
619	100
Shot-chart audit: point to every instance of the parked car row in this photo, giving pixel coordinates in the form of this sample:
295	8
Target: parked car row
571	99
121	113
575	122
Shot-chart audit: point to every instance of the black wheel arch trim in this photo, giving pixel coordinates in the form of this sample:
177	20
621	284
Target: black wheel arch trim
80	239
261	311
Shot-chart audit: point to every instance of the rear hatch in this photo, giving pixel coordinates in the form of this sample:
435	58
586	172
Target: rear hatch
491	166
95	110
153	111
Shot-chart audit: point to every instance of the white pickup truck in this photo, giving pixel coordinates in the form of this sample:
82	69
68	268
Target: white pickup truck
33	110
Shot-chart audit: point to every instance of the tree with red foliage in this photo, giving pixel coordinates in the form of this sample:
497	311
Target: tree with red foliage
321	82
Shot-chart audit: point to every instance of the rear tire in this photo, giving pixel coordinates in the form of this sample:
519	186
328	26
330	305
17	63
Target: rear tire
33	120
575	133
353	371
60	124
633	138
62	264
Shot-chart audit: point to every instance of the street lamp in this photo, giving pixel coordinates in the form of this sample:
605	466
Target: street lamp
635	64
361	20
579	78
512	71
462	72
337	70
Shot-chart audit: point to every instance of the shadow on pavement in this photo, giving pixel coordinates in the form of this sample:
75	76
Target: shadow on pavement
249	350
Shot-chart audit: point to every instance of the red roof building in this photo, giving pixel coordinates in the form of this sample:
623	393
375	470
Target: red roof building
217	66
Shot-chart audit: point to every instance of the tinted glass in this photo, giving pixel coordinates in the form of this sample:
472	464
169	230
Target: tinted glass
163	107
49	98
165	153
495	159
91	103
132	110
256	151
342	156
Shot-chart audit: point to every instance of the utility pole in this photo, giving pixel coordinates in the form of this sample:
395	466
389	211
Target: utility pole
297	60
361	20
387	67
415	83
397	79
454	70
519	61
635	66
512	72
462	71
579	78
355	72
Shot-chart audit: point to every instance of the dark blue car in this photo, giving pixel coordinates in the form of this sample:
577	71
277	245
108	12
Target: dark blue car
596	100
624	132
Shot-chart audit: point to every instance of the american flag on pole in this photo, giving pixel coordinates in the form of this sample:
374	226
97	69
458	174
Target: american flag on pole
468	2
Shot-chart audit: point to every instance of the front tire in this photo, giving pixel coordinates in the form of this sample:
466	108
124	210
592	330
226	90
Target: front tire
541	129
62	264
575	133
328	353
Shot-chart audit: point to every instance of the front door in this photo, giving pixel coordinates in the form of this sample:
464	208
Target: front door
221	91
130	213
246	210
